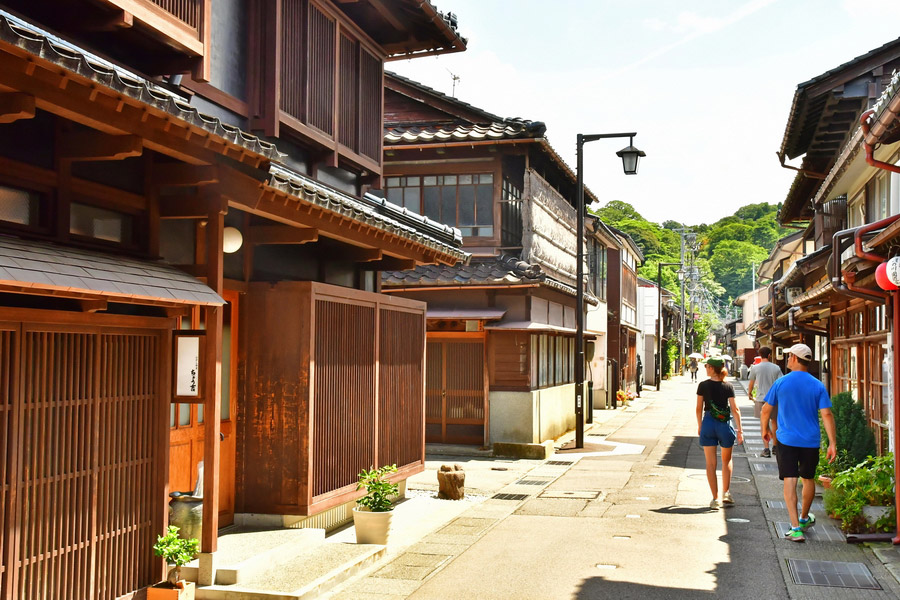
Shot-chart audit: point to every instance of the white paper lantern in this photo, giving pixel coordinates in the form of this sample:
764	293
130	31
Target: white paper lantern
231	240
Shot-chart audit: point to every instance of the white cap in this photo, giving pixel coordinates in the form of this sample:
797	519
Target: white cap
800	351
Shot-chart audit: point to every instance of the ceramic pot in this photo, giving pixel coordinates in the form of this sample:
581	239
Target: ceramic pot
825	481
372	527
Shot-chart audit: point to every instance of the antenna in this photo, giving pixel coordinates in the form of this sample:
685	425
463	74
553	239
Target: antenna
455	78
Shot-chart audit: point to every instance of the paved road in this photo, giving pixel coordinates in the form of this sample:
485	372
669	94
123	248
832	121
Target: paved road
627	517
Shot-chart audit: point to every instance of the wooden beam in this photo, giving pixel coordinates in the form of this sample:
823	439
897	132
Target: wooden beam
120	19
96	146
358	254
183	206
179	174
390	263
15	106
282	234
92	305
385	12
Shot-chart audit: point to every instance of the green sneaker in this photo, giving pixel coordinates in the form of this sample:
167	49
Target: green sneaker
795	535
809	522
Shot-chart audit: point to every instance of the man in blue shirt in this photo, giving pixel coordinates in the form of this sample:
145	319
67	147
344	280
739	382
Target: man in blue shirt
800	398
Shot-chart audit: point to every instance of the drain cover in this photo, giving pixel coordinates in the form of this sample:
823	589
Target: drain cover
832	574
766	467
533	482
566	494
816	505
820	533
560	463
509	496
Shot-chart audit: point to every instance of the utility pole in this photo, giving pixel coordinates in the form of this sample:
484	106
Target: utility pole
753	274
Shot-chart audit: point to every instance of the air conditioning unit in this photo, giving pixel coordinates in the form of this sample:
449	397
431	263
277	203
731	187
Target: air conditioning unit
791	294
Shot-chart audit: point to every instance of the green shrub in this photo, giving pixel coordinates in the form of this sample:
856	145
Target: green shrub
870	483
853	432
378	489
173	549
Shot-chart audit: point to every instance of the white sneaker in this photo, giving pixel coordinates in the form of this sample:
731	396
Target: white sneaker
726	498
714	504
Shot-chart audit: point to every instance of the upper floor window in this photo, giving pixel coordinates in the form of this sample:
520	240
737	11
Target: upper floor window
20	207
856	210
463	201
878	198
100	224
510	214
629	260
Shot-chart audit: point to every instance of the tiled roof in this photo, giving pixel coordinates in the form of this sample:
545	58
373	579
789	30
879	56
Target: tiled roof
487	116
77	60
502	130
499	271
369	210
29	265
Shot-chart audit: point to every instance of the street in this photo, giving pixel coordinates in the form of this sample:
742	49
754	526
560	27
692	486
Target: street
628	518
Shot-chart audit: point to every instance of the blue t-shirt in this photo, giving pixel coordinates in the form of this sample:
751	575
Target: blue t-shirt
799	396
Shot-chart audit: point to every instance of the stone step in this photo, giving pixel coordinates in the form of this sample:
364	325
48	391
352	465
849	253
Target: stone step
302	577
245	553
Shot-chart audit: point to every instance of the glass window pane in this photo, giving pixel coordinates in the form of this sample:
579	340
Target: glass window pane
395	196
199	413
172	415
432	203
412	181
430	180
448	206
486	178
99	223
465	180
226	371
484	211
411	198
449	179
18	206
467	205
184	414
393	182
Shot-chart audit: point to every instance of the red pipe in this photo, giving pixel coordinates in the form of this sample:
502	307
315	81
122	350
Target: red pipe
870	149
867	228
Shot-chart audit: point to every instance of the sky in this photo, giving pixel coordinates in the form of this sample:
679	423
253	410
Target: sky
707	85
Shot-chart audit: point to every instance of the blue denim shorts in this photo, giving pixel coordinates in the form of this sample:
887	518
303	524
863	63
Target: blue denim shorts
716	433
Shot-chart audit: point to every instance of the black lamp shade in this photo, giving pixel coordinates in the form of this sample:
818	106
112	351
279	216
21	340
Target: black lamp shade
630	156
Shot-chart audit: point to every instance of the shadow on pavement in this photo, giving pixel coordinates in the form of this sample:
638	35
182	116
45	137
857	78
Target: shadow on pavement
682	510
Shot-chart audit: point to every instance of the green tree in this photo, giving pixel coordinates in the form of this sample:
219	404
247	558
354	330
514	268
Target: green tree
617	211
731	264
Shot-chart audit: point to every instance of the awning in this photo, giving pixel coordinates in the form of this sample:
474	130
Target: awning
533	327
39	268
486	314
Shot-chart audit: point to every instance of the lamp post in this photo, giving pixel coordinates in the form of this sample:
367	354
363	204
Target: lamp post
659	319
630	156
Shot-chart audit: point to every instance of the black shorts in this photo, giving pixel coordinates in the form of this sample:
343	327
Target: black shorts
794	461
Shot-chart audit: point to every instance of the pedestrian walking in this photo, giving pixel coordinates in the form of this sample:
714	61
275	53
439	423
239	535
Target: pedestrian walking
693	367
762	376
800	399
715	410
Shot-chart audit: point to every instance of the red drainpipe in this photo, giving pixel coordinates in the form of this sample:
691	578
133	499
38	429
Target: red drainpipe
895	333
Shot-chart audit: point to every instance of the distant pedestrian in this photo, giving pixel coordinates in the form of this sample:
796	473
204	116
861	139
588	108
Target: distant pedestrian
762	376
800	399
639	377
715	410
693	369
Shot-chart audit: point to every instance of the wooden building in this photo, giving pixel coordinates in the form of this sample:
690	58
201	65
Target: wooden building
501	329
828	297
623	331
138	139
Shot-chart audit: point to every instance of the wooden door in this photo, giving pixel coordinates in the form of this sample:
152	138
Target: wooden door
186	424
455	391
81	441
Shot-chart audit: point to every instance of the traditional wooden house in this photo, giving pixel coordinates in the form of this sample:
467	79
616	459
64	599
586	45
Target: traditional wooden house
623	331
125	139
501	329
829	294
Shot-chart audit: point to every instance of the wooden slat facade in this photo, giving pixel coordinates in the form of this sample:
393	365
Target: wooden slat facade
456	390
83	407
334	384
188	11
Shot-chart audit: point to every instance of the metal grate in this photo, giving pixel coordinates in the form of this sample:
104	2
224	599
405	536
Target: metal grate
832	574
533	482
816	505
820	533
560	463
765	467
509	496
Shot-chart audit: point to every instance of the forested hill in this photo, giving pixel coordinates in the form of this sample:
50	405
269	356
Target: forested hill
727	248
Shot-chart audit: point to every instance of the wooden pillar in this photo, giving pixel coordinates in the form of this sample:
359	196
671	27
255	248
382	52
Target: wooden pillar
212	375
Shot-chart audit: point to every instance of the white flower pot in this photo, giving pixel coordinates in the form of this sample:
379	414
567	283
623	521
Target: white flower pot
372	527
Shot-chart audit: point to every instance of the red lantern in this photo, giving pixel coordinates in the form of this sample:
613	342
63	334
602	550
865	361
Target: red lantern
882	279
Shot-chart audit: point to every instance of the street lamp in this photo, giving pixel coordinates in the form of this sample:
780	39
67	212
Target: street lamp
630	157
659	319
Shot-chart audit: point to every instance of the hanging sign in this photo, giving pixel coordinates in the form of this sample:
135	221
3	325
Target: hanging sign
188	365
892	270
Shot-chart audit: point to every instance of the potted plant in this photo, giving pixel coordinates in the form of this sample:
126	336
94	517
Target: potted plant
862	497
623	397
372	518
178	552
855	440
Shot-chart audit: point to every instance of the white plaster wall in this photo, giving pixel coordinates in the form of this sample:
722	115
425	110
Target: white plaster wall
532	417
